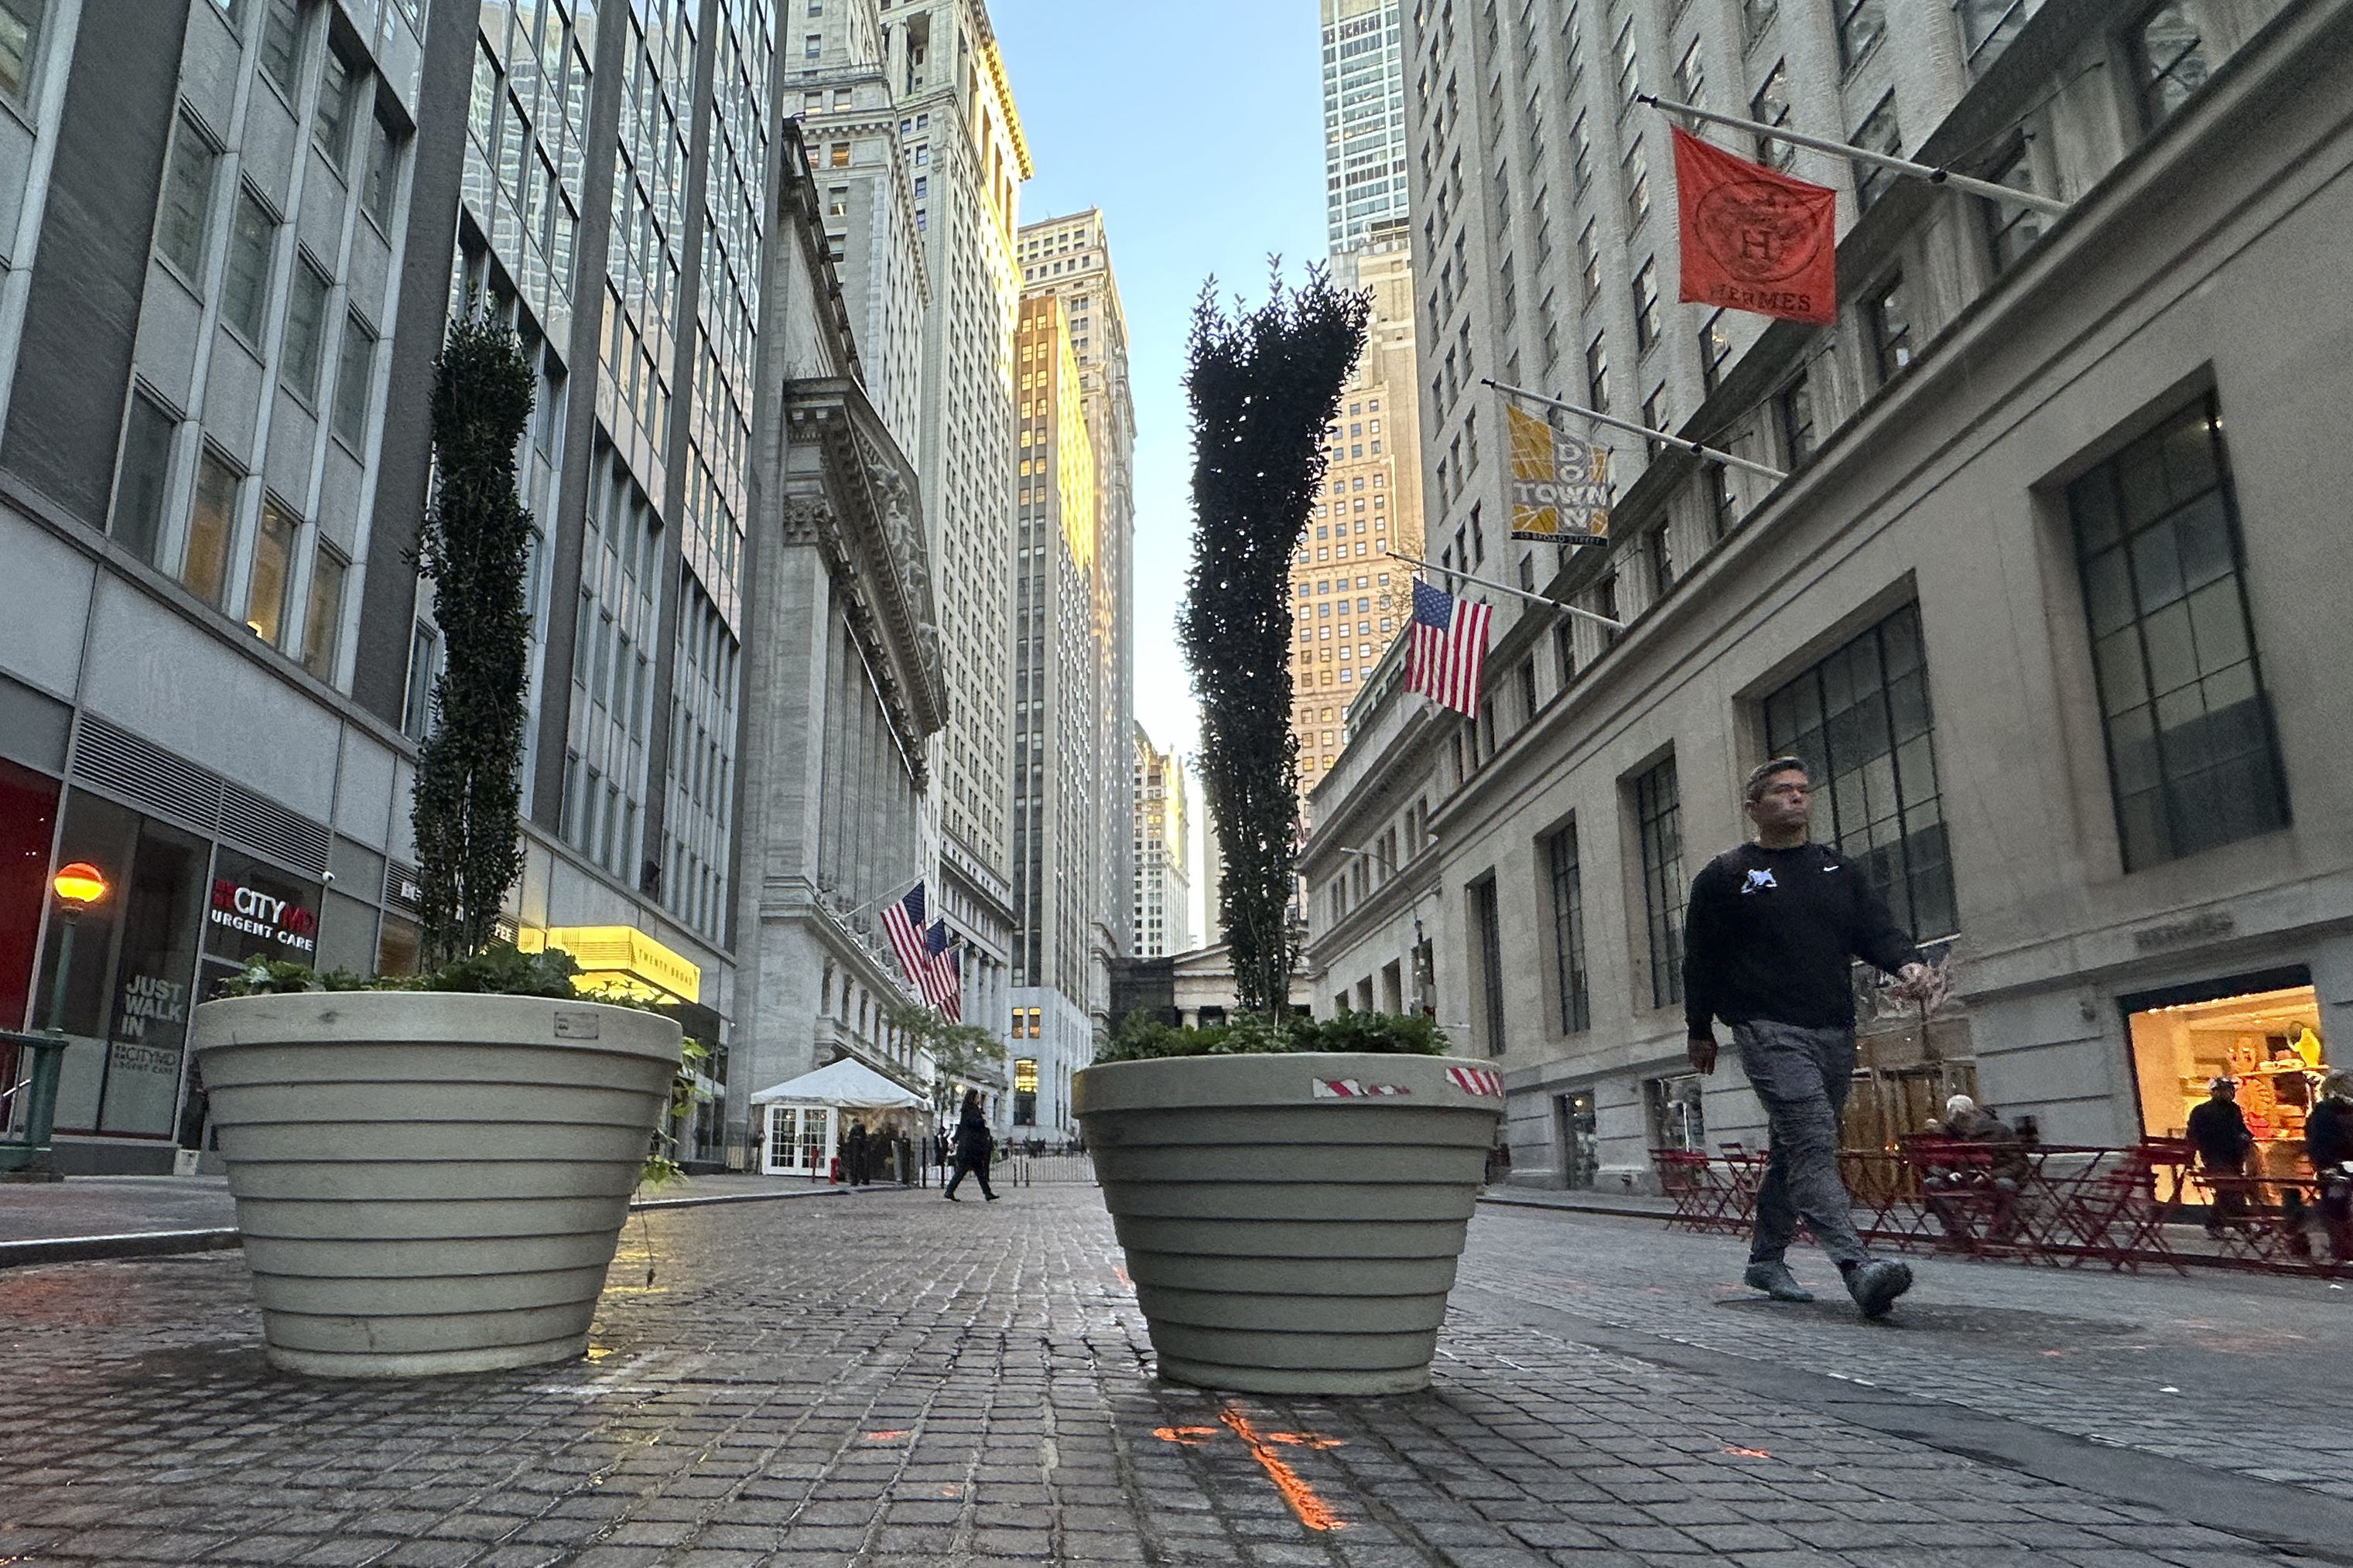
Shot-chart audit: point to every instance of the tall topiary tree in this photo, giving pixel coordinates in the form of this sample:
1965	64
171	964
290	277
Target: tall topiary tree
1263	384
476	539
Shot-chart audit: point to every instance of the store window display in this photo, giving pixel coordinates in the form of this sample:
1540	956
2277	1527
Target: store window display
2265	1042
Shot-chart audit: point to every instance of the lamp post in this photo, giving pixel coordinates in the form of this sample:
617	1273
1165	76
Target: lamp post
75	888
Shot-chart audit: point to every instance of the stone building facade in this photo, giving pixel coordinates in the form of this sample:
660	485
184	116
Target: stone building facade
2027	601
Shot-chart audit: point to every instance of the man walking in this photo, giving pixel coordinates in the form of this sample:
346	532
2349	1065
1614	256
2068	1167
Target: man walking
1766	940
975	1144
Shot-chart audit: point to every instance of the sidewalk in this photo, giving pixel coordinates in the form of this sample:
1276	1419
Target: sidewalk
891	1381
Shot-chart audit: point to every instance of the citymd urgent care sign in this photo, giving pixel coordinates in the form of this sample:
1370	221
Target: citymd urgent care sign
272	922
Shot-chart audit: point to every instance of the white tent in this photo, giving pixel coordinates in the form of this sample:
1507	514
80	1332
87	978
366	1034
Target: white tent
845	1086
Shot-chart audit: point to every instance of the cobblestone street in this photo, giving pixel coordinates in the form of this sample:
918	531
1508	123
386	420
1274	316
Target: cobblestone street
884	1380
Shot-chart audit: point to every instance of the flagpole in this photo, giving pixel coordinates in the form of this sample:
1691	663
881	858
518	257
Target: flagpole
1934	175
1713	454
1516	593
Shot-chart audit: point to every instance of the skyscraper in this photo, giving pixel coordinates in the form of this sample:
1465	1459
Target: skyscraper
1163	881
1068	259
965	159
1350	594
1364	119
920	154
1059	672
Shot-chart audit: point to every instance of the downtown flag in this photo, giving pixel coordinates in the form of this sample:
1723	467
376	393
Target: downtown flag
1450	648
1560	485
1754	238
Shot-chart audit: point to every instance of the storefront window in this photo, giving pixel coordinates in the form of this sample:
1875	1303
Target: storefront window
257	912
1675	1117
131	959
2265	1039
1025	1093
1580	1139
28	815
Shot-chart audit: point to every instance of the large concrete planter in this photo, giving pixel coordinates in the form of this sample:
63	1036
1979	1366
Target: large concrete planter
430	1183
1291	1222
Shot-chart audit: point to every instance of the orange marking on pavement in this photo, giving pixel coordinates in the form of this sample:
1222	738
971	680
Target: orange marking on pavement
1750	1453
1122	1275
1307	1439
1313	1511
885	1437
1183	1434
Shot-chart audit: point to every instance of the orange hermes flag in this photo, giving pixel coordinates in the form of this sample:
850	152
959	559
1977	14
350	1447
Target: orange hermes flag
1755	240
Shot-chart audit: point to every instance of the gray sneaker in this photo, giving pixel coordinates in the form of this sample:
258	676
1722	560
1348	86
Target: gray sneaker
1875	1285
1775	1280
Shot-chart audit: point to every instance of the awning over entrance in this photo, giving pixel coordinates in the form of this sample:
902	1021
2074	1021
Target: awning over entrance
847	1086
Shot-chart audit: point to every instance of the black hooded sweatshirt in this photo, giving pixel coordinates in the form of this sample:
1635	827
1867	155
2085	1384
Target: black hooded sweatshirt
1769	934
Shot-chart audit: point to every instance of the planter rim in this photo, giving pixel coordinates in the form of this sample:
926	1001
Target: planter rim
317	1019
1287	1078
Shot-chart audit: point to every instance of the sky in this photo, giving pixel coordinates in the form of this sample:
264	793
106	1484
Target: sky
1198	131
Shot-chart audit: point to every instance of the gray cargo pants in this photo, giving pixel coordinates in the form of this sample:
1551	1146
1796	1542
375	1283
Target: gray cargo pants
1801	1076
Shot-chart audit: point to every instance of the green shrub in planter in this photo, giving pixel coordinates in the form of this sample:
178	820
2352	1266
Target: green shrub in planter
1378	1034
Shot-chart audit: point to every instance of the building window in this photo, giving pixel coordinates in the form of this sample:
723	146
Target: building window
144	478
1714	351
1755	15
382	187
330	126
1630	65
1658	822
20	41
1723	501
180	219
416	716
1655	417
272	582
1637	186
211	519
1889	321
1793	407
306	329
1487	930
1691	78
2168	61
1671	1106
1661	550
1861	721
282	43
1878	134
322	623
1859	25
245	294
1596	373
2012	231
354	376
1987	26
1646	305
1025	1092
2192	758
1771	107
1568	930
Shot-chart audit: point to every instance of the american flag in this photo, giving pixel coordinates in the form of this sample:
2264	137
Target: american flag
903	920
946	991
1449	647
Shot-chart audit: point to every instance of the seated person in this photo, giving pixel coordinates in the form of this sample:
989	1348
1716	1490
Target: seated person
1992	1182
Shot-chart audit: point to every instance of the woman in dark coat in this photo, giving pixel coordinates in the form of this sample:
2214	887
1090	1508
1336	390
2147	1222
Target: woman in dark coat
974	1144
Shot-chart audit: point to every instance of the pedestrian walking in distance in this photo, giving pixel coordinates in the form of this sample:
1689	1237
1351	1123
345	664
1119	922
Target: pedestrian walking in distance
1766	940
974	1144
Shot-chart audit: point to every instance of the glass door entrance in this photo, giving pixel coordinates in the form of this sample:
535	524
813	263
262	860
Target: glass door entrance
1580	1142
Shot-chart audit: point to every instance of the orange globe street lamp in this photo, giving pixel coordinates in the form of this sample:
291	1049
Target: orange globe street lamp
80	885
77	886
